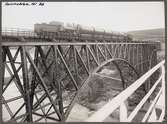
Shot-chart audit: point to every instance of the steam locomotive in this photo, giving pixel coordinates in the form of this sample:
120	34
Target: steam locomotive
57	29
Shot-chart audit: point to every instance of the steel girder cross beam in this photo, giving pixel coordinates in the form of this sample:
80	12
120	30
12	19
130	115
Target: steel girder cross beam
46	77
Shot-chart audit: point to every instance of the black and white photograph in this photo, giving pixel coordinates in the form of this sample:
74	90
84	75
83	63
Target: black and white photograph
83	61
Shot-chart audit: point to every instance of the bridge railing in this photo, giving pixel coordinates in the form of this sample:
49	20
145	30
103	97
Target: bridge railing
17	32
119	101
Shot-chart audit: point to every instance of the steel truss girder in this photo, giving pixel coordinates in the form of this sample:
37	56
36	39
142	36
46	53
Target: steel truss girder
76	60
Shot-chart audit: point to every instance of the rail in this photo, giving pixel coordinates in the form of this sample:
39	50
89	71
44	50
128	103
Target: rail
119	101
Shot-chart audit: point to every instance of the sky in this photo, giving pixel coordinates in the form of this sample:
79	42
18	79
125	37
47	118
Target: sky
114	16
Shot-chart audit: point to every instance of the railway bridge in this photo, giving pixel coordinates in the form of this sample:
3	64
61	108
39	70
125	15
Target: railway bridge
42	72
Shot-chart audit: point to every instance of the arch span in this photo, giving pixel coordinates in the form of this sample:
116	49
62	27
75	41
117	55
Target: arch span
119	64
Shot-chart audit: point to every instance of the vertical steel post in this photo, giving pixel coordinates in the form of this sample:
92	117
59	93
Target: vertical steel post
87	57
3	60
34	77
1	77
60	102
76	64
26	84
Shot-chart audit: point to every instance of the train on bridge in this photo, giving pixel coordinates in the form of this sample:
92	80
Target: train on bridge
76	30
